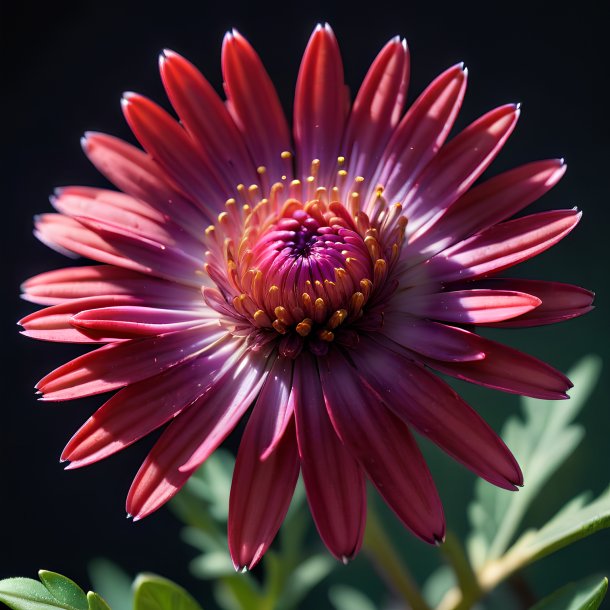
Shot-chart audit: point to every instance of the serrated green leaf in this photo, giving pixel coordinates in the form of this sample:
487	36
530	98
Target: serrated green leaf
437	584
569	525
97	602
112	582
348	598
586	594
28	594
153	592
304	578
64	590
541	443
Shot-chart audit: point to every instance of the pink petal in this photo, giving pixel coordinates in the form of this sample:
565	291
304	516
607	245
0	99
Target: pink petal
53	323
497	248
457	165
431	339
383	445
137	174
114	246
193	436
509	370
334	481
119	364
420	134
261	489
206	119
319	105
60	285
254	105
559	301
168	143
487	204
132	322
422	400
476	306
376	109
142	407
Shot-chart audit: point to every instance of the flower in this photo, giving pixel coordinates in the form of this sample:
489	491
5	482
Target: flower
320	278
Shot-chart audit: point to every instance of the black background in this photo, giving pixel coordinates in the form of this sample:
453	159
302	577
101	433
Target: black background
64	68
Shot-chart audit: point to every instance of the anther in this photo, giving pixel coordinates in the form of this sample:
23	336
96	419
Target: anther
326	335
304	326
337	318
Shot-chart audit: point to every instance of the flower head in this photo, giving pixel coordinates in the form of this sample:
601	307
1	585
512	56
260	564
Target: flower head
318	279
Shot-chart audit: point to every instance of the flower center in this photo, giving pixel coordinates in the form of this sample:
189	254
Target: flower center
303	273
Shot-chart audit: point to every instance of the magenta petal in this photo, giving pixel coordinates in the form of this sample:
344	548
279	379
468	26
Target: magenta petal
320	107
334	481
476	306
261	489
376	109
385	448
435	410
143	407
509	370
61	285
558	301
119	364
254	105
207	120
192	437
432	339
484	205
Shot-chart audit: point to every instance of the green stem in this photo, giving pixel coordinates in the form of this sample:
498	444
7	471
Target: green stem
456	557
389	564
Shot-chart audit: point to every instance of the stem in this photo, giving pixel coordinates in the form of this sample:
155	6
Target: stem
388	563
466	578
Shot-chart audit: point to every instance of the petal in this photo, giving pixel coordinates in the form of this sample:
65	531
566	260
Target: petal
497	248
319	105
420	134
168	143
476	306
137	174
254	105
435	410
60	285
559	301
383	445
509	370
487	204
457	165
194	435
54	323
111	245
261	489
206	119
334	481
119	364
142	407
376	109
431	339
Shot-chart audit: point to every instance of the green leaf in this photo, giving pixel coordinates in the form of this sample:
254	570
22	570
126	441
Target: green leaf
541	443
153	592
212	565
586	594
437	584
347	598
64	590
304	578
573	522
97	602
112	582
27	594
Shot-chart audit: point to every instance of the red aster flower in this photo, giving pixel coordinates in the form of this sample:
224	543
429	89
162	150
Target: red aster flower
320	278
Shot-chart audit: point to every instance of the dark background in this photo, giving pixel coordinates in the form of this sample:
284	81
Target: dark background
64	68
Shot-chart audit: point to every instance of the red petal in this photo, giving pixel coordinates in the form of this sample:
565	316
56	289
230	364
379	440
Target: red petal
334	481
428	404
383	445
